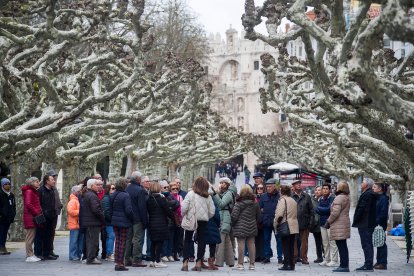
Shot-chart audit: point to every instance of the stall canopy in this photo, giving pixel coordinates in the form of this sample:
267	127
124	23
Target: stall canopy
283	166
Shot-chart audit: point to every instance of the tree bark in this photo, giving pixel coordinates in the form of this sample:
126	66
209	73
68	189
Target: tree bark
115	166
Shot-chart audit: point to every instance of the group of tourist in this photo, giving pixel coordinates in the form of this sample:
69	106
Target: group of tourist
127	212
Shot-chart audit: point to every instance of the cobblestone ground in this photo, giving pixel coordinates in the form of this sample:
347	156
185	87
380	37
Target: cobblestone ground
14	264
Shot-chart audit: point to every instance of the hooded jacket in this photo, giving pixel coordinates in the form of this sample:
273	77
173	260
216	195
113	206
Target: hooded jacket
226	203
31	206
73	208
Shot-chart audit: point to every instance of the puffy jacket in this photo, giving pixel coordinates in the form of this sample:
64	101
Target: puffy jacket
73	208
365	211
31	206
139	202
92	212
226	202
212	235
244	218
47	202
382	210
339	218
268	203
106	206
324	208
204	206
122	213
305	210
287	208
316	223
158	211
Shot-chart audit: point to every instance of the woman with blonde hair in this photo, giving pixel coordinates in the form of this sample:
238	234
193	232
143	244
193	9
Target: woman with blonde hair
340	224
244	218
178	231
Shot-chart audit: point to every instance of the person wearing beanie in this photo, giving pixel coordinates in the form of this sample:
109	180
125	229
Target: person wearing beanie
7	213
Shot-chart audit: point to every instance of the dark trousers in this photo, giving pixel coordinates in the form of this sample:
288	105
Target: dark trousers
212	249
54	224
382	254
288	244
201	245
343	253
366	242
318	242
103	242
121	235
4	229
44	239
302	250
259	241
178	240
267	235
156	247
92	242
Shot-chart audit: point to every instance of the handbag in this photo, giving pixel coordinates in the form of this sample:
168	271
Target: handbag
189	221
283	228
39	219
378	237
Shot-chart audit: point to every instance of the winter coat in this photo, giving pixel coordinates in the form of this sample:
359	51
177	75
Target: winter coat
226	202
139	202
177	212
289	204
47	202
182	193
212	234
106	206
31	206
58	203
315	224
365	211
73	208
305	210
121	209
7	207
173	204
204	206
339	218
382	210
324	208
92	212
268	203
158	212
246	213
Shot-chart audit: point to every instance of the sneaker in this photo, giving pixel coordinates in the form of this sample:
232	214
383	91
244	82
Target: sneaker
364	269
318	260
238	267
164	259
323	263
252	267
94	262
32	259
36	258
332	264
159	265
110	258
84	261
171	259
380	266
246	260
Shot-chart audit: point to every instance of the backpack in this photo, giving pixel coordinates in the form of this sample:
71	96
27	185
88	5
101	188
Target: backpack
378	237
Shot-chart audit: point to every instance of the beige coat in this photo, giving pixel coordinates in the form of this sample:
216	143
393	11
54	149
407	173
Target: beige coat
292	212
339	218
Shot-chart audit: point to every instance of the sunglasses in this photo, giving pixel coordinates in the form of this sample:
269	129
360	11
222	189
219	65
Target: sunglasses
166	188
260	188
113	188
174	189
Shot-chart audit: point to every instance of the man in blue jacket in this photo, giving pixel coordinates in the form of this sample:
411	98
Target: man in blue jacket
268	203
133	255
380	190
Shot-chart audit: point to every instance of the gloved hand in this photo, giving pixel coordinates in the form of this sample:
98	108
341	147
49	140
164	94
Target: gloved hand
327	225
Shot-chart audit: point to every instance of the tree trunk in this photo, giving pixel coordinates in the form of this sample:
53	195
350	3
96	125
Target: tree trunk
69	179
131	165
115	167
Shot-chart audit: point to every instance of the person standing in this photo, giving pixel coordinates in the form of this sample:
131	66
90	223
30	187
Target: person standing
31	209
167	248
365	221
75	237
247	174
259	240
110	235
258	180
315	228
212	236
381	219
93	221
244	218
305	217
135	241
178	231
58	208
122	218
7	213
286	210
340	225
268	203
324	210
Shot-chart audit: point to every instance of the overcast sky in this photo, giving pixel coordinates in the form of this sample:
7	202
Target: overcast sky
217	15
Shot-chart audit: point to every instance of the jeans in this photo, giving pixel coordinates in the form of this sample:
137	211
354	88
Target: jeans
366	242
75	244
382	254
148	250
110	239
343	253
268	253
4	229
167	246
135	242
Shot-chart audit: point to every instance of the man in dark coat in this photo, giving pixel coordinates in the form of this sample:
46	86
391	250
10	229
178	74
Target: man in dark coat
7	213
93	220
58	208
364	220
305	219
380	189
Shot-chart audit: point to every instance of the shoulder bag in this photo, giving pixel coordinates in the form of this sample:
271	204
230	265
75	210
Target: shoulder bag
283	228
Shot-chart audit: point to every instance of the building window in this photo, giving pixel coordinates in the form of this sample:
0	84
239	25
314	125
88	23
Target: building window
387	42
402	53
282	117
256	65
300	51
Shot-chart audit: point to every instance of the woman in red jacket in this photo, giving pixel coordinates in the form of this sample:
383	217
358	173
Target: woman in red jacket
31	209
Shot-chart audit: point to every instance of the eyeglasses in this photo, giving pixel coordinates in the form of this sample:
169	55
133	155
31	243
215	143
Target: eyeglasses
166	188
113	188
260	188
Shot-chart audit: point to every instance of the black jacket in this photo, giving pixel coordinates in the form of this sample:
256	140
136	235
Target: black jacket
382	210
365	211
92	212
122	215
47	202
7	207
138	201
158	211
305	210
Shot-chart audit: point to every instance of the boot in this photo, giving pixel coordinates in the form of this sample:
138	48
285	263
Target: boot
175	256
203	265
185	266
3	251
197	266
211	265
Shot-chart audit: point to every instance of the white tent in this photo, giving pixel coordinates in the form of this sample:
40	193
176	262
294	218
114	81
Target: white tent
283	166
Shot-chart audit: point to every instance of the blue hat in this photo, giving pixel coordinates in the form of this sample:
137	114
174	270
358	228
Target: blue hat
4	181
271	181
258	174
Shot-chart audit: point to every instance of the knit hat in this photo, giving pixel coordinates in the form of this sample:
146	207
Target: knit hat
5	181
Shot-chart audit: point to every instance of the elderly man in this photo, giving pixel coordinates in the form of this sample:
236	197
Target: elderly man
93	220
7	213
305	219
146	184
182	193
364	220
135	240
101	193
258	180
58	207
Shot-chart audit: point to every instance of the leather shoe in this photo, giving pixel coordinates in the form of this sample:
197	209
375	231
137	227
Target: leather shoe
121	268
364	269
54	255
318	260
50	257
380	266
286	268
298	260
305	262
280	261
266	261
341	269
139	264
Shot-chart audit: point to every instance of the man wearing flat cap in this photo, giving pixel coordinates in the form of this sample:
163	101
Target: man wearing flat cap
258	179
